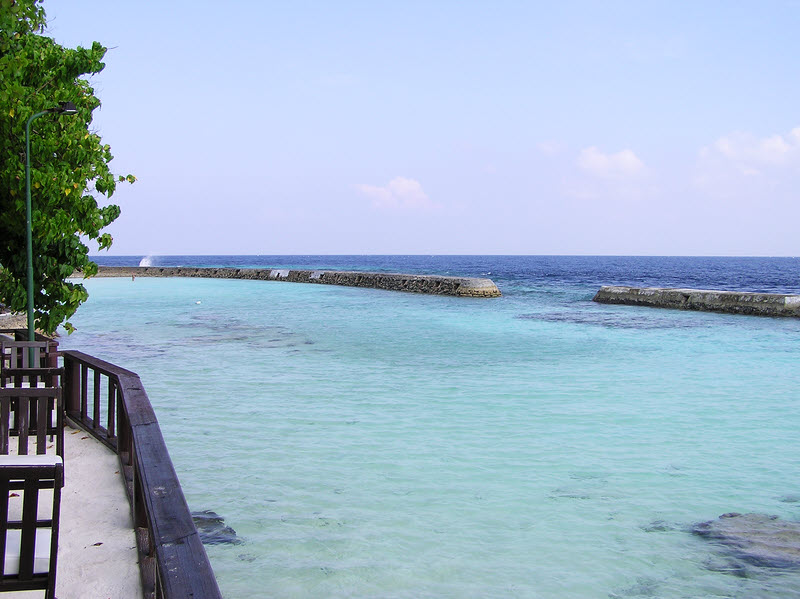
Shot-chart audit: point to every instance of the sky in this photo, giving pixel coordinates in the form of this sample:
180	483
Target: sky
444	127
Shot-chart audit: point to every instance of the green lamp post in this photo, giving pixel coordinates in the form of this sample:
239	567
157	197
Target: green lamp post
63	108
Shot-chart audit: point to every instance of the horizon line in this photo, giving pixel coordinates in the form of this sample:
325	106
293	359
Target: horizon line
154	255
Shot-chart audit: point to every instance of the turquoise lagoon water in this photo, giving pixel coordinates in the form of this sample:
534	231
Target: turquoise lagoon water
366	443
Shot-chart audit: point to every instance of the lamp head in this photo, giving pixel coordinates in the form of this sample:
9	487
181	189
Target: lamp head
66	108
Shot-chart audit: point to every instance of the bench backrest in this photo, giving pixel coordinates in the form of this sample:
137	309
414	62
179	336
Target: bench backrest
32	415
16	354
31	377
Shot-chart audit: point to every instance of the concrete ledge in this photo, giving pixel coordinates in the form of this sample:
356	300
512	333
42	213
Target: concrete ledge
733	302
432	284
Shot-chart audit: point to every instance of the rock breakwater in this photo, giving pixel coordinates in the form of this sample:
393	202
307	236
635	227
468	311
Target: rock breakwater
431	284
733	302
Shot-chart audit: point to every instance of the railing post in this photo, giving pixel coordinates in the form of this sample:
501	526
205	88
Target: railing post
52	353
139	510
113	396
96	406
72	385
84	383
123	435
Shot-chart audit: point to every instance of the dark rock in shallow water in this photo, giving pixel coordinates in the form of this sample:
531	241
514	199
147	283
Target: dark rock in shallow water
643	587
728	565
213	530
761	540
659	526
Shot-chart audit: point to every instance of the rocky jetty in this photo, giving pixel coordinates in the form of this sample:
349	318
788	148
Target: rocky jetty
13	320
432	284
758	539
733	302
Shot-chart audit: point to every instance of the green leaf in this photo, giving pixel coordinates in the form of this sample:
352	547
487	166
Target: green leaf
66	157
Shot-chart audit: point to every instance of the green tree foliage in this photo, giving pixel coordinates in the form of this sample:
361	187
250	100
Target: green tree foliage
69	166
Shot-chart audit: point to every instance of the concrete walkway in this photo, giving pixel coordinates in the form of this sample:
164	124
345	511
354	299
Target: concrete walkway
97	557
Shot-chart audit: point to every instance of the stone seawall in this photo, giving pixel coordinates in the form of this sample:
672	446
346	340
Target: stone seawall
734	302
432	284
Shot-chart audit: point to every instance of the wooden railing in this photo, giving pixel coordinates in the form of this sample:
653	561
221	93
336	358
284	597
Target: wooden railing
111	404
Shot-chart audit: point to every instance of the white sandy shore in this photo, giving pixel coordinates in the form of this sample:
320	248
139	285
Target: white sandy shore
97	557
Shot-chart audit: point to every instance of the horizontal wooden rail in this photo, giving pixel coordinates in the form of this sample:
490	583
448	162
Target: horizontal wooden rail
172	559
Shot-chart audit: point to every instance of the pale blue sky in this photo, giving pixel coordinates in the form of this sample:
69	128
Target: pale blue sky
449	127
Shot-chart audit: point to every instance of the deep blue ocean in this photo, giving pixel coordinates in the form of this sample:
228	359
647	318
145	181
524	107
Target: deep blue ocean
366	443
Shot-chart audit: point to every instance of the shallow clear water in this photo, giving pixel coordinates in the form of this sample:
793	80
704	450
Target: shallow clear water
376	444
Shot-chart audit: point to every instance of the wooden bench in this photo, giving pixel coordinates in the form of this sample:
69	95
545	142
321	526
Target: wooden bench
28	541
30	397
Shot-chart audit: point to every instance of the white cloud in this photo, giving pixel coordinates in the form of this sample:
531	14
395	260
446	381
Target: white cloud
750	152
742	163
622	165
399	193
